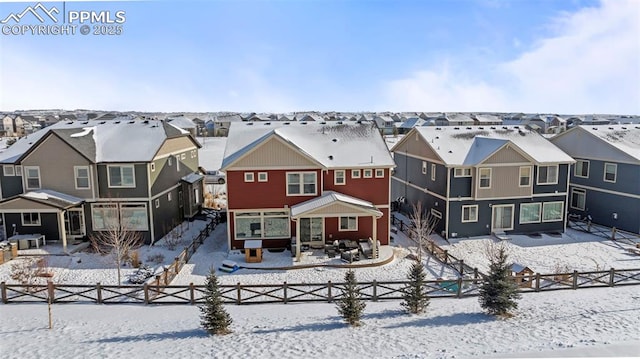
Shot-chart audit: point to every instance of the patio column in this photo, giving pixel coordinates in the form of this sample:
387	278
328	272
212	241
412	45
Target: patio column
374	251
298	240
63	231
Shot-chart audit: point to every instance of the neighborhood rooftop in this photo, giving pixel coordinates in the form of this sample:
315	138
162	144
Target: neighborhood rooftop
469	146
625	138
331	144
122	139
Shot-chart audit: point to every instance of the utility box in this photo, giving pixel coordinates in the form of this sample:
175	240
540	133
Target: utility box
253	251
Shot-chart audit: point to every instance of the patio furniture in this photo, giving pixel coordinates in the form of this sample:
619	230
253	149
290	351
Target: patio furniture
350	256
330	250
24	241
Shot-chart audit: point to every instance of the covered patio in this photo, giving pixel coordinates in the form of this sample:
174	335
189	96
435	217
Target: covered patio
334	217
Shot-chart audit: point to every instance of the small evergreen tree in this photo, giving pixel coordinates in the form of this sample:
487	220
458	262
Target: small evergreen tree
351	306
498	292
415	299
213	317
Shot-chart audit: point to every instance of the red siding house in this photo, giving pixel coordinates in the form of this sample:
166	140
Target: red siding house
306	183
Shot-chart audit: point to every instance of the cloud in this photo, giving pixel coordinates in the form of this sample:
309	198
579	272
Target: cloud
590	65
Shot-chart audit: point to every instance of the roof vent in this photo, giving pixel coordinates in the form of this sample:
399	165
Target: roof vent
323	123
438	128
70	123
287	123
145	121
335	140
504	127
594	128
117	122
303	122
623	127
437	137
611	128
267	123
85	122
492	127
339	122
249	123
456	128
481	128
468	128
102	122
516	126
132	121
450	151
330	157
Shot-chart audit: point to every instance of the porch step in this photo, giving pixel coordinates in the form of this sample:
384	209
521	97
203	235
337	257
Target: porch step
501	236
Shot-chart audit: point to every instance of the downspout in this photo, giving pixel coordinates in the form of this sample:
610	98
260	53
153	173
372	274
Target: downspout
566	199
62	229
446	203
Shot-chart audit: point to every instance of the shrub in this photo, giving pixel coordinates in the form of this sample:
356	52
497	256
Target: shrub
498	292
214	318
415	298
157	258
350	305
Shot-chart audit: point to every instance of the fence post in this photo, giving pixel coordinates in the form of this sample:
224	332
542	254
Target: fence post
401	226
145	287
575	279
613	233
475	275
284	289
375	290
459	287
612	274
446	256
3	289
176	263
239	292
51	291
166	275
99	293
192	294
330	298
461	267
588	226
537	282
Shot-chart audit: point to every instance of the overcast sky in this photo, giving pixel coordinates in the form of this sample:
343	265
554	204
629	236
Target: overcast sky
278	56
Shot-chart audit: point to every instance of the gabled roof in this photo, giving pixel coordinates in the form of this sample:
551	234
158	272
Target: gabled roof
181	122
192	178
329	198
123	139
44	197
330	144
623	138
469	146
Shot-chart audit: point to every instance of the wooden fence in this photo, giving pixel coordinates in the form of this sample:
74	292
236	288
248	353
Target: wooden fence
438	252
171	271
611	233
300	292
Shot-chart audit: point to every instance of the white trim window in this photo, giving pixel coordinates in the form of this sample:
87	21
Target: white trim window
424	167
32	179
610	172
265	225
525	176
462	172
355	173
248	177
263	176
379	173
104	216
530	212
484	178
548	174
301	183
339	177
552	211
134	216
8	170
470	213
18	170
581	169
578	199
121	176
433	171
349	223
81	177
368	173
31	219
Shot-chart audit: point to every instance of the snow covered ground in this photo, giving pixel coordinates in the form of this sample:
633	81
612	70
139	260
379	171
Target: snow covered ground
587	322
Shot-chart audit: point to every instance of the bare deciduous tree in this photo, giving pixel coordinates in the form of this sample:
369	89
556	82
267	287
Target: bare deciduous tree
422	225
116	241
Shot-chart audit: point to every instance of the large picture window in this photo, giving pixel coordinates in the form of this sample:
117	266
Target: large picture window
301	183
264	225
104	216
552	211
134	216
121	176
530	213
548	175
108	216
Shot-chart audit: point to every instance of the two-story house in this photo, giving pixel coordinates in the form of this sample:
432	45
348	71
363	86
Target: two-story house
605	180
76	177
313	181
481	180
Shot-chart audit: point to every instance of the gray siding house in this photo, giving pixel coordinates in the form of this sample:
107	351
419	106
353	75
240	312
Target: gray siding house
605	180
76	177
481	180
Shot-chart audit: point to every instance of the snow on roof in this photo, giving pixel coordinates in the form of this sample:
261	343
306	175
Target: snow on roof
625	138
192	178
330	197
468	146
181	122
122	139
53	197
331	144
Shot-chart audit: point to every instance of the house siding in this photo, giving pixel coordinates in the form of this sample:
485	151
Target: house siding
167	216
505	182
166	176
140	191
461	186
627	177
483	225
59	175
374	190
410	169
11	185
48	225
601	206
